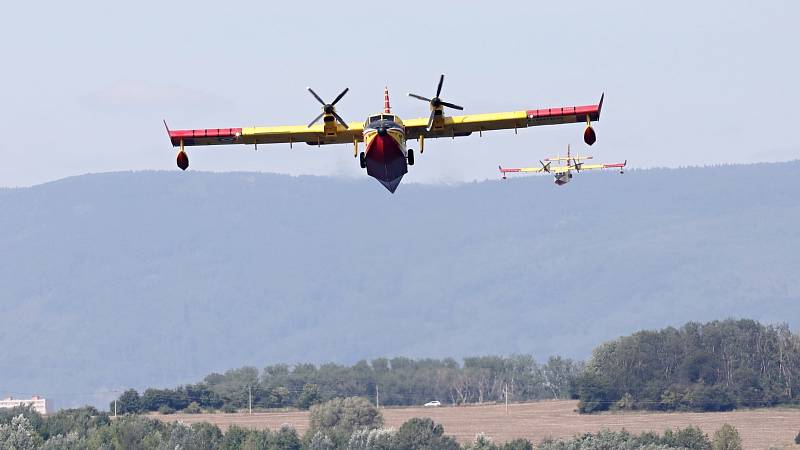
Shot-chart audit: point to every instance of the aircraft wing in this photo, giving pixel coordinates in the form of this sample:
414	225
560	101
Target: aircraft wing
521	170
507	170
315	135
465	125
601	166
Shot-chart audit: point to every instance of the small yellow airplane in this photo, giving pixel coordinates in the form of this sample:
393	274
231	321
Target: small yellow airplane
563	173
386	157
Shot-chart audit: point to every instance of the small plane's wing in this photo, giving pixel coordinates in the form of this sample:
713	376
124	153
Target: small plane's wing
601	166
465	125
314	135
505	170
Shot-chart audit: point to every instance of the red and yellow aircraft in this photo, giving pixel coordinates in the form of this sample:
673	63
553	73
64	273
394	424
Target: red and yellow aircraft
386	156
563	174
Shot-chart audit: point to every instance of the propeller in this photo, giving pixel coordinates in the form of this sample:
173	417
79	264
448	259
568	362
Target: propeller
436	102
577	164
328	108
545	167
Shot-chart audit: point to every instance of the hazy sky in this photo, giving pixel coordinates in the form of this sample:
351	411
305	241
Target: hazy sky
85	85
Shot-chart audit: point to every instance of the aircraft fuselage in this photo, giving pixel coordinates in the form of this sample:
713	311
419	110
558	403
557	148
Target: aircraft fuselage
386	155
563	178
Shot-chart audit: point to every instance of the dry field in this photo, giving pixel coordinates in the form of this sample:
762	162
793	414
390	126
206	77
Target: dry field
760	429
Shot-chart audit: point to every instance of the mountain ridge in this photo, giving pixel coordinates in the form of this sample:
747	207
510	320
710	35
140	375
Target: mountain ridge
138	279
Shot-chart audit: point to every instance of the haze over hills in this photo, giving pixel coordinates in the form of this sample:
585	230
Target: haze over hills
159	278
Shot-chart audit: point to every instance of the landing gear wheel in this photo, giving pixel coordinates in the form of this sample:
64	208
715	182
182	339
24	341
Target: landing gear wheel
410	157
363	160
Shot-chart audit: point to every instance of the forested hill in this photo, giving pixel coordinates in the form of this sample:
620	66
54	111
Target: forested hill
156	279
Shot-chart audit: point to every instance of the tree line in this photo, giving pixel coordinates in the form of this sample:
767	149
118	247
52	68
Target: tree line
339	424
392	382
715	366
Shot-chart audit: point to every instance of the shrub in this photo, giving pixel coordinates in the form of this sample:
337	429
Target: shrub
193	408
338	418
689	437
419	433
518	444
797	438
727	438
309	397
165	409
228	408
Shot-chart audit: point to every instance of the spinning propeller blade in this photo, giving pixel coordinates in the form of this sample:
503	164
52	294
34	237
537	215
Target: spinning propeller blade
329	108
436	102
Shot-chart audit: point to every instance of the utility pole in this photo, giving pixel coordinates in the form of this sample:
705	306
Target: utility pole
505	389
250	399
115	407
377	398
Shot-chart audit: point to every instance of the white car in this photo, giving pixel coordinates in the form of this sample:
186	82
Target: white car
434	403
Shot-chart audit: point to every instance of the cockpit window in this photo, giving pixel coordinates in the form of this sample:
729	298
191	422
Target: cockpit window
374	118
391	118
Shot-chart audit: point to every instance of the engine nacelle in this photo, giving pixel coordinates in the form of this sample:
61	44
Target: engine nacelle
589	136
182	160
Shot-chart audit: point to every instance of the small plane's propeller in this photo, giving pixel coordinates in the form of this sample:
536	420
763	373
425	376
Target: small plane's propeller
436	102
545	167
328	108
577	164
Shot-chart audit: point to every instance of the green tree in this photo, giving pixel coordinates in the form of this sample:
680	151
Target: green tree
689	437
377	439
234	438
727	438
71	441
193	408
338	418
594	392
257	440
321	441
80	421
309	396
285	439
482	442
205	436
19	435
518	444
130	432
128	403
35	419
423	434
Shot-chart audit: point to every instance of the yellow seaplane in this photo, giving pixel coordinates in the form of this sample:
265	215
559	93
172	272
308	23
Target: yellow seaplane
386	156
563	173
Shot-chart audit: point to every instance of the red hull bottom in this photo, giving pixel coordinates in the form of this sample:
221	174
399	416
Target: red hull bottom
386	162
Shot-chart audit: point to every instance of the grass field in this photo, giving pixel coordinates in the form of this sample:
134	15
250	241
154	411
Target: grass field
760	429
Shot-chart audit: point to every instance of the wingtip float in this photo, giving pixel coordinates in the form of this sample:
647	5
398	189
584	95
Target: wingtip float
386	156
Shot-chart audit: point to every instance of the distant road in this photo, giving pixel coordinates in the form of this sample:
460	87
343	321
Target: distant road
761	428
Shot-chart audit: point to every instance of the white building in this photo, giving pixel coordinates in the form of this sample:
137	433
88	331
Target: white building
39	404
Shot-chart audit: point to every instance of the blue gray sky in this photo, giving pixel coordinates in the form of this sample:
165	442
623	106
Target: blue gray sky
85	85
